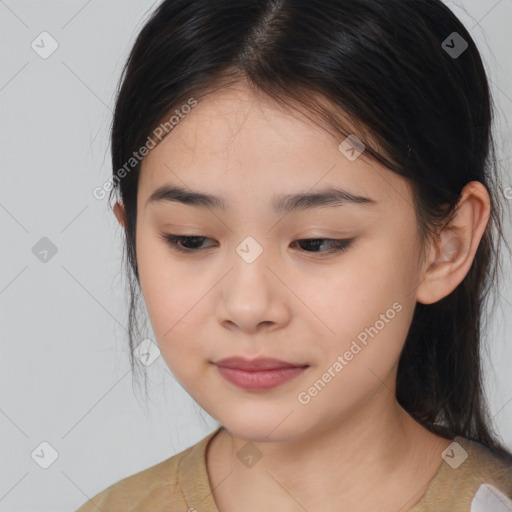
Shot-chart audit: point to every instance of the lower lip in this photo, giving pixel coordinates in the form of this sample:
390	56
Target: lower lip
261	379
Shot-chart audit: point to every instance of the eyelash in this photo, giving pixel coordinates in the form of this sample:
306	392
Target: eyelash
339	245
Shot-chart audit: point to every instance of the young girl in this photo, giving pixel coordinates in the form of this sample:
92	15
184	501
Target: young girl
310	198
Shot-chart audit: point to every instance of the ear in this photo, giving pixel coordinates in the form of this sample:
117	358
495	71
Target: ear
452	253
120	213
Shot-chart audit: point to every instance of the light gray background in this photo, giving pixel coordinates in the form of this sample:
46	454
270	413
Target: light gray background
64	375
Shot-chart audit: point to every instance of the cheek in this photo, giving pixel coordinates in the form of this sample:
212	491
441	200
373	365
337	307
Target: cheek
365	304
172	302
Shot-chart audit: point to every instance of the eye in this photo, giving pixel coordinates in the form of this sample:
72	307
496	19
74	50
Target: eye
190	244
174	240
315	243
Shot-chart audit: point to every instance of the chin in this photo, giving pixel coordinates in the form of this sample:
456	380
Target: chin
264	429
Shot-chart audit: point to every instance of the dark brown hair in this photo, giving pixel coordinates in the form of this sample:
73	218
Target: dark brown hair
423	112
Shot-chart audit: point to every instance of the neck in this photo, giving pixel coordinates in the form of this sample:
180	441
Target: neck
375	451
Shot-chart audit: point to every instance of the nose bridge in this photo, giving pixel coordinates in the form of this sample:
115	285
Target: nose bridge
251	294
251	272
250	250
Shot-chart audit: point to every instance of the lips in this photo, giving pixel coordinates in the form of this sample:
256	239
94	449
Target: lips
259	374
258	364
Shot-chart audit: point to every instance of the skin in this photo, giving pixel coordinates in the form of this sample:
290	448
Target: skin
352	446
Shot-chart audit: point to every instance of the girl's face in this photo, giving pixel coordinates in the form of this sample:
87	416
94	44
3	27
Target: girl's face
251	289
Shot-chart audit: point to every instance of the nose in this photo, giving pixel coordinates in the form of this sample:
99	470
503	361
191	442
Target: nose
253	298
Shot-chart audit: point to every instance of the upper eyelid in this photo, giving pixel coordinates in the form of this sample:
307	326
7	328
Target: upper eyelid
302	238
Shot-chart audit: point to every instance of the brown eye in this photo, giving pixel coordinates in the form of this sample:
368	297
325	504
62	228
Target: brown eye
316	243
310	245
184	243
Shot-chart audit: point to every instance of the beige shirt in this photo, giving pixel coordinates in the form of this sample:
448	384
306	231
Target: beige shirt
479	483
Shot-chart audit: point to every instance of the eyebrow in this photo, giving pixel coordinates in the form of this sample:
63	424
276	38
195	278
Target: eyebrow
284	203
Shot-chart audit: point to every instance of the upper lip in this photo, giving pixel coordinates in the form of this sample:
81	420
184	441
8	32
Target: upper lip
260	363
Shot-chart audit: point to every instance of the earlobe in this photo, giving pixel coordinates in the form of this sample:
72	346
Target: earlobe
120	213
455	247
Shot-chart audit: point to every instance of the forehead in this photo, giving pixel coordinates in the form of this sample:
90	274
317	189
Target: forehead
236	142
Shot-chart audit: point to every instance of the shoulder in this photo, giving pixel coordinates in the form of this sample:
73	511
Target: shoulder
131	491
155	488
472	478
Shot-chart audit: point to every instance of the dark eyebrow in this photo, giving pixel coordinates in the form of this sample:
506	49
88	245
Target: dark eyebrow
281	204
